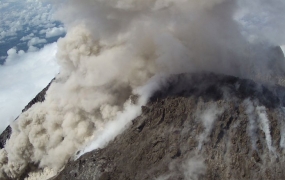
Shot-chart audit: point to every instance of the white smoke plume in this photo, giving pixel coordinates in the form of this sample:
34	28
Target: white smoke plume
252	127
131	111
112	48
194	168
265	126
164	177
208	118
258	118
282	127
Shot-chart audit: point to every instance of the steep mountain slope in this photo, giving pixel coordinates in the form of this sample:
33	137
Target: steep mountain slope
201	126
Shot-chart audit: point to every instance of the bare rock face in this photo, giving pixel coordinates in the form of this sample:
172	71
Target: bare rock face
198	127
4	136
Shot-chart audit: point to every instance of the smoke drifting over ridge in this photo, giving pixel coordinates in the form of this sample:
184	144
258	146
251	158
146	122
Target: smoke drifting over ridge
115	49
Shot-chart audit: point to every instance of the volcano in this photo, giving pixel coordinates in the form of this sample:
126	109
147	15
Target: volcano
199	126
157	89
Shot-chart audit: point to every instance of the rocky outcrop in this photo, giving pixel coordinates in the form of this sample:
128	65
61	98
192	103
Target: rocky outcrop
198	127
4	136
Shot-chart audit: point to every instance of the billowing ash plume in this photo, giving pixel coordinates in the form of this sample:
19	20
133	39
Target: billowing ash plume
111	51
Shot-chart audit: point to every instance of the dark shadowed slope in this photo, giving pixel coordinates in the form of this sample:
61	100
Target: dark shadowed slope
198	127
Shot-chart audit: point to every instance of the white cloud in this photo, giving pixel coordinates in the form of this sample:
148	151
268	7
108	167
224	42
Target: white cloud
22	77
56	31
17	14
43	31
48	25
32	49
36	40
7	34
28	37
12	52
